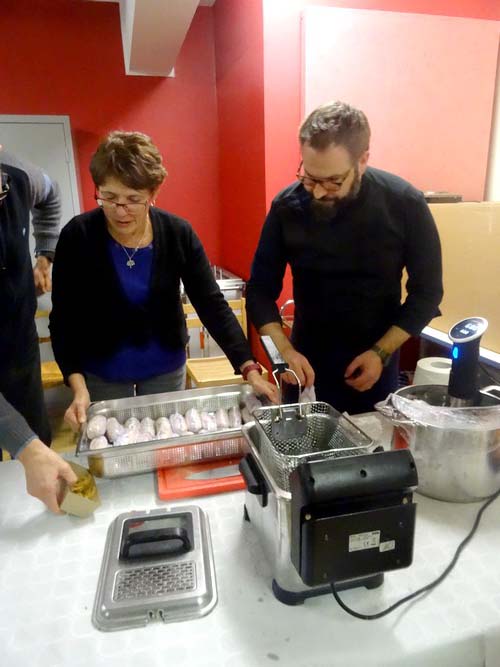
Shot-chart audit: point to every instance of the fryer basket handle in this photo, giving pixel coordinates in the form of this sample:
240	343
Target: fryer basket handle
277	362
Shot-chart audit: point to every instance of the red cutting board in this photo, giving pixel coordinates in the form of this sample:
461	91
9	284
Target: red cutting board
173	482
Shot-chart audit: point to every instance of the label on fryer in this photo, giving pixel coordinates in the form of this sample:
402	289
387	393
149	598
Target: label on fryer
361	541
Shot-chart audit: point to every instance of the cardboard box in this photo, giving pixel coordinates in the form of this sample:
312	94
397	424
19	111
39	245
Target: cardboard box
82	498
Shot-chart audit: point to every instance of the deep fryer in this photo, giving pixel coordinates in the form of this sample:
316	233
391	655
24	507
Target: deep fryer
327	504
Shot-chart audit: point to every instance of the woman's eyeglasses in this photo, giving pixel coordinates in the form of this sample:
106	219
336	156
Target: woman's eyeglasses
332	184
112	205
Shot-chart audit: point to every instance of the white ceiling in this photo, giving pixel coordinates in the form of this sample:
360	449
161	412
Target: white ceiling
153	32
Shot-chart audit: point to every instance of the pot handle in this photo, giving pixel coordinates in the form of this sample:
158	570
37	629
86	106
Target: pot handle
396	417
490	388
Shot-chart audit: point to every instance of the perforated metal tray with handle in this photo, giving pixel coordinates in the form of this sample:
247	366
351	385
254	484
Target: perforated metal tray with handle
157	566
118	461
324	433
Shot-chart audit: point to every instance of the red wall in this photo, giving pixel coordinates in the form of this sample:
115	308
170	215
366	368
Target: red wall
240	98
65	58
427	84
282	55
282	72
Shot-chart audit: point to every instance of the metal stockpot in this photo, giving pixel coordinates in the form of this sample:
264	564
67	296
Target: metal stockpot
454	464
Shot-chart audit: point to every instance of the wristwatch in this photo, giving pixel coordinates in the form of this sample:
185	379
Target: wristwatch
251	367
383	355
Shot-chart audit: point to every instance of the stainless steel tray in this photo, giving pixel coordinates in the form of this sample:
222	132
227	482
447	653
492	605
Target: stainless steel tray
135	591
118	461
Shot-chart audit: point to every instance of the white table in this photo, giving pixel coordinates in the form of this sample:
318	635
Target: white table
49	566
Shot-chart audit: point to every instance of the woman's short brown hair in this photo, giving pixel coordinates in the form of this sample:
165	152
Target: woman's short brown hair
337	123
131	158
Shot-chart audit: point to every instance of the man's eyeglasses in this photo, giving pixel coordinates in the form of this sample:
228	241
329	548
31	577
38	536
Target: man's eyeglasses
331	184
112	205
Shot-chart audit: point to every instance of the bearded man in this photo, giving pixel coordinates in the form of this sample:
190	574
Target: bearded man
347	231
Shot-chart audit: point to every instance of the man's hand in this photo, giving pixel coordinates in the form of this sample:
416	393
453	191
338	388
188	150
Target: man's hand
42	275
76	414
364	371
298	363
262	387
46	473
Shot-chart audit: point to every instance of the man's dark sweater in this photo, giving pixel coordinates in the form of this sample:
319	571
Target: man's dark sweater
347	271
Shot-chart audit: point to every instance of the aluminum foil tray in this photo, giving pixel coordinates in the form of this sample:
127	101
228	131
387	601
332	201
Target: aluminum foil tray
119	461
161	584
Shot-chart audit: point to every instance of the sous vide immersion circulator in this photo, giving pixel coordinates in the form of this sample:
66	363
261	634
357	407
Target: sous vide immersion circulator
464	376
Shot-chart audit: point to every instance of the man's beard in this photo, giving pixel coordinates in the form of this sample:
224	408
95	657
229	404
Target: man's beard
328	209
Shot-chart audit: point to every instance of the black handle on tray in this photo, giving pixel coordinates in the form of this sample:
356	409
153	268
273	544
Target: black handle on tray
159	542
254	480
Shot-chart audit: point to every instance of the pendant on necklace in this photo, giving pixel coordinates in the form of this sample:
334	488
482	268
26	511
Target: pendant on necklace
130	263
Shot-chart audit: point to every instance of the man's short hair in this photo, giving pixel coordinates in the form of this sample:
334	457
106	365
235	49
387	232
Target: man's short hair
336	123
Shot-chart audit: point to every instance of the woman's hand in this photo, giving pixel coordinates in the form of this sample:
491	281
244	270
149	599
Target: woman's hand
262	387
76	414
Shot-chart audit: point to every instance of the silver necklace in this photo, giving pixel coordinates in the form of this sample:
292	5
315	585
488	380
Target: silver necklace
130	260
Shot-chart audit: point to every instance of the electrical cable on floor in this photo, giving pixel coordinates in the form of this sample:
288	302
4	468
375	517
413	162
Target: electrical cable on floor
428	587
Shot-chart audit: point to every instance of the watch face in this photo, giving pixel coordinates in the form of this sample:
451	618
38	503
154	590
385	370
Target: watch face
468	329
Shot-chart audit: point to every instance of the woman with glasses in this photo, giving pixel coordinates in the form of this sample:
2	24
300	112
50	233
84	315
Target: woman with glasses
117	322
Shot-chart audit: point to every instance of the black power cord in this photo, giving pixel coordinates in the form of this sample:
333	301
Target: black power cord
428	587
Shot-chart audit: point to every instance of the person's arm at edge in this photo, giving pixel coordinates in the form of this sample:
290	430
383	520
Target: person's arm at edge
46	207
46	473
44	469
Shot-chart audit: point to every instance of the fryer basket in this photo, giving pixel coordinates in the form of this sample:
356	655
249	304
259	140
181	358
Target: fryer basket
328	434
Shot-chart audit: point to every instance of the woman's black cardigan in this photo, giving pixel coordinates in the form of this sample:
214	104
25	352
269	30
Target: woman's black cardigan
91	315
